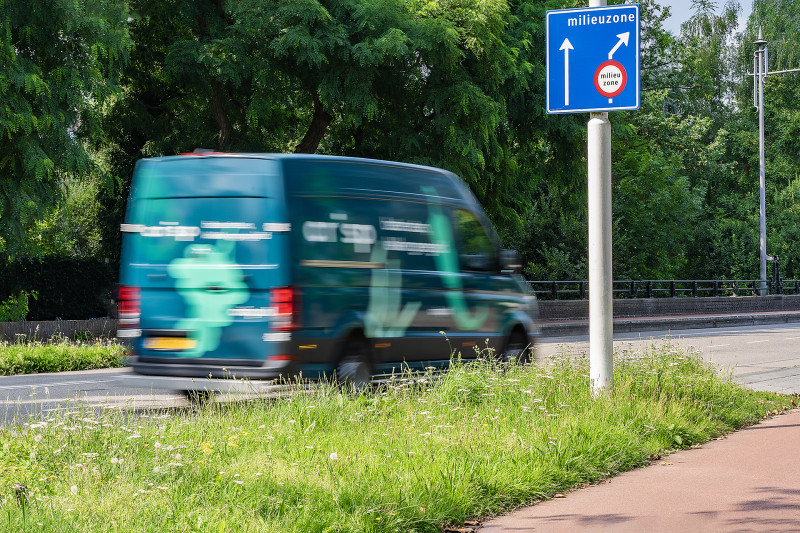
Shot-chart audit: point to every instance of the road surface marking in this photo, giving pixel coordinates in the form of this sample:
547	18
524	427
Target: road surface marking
57	384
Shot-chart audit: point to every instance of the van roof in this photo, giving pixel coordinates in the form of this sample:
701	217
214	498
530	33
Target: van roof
362	174
298	157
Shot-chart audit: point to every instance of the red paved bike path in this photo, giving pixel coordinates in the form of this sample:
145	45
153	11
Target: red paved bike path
747	481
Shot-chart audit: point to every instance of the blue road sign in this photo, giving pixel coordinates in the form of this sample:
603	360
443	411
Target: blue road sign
593	59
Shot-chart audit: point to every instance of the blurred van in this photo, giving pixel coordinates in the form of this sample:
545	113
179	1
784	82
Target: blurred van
263	266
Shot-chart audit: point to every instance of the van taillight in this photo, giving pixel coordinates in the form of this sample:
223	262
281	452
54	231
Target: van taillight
129	301
285	304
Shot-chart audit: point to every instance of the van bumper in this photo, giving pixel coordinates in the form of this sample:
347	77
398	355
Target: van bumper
270	370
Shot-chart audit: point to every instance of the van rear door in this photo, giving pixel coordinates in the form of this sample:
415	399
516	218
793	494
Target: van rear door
206	238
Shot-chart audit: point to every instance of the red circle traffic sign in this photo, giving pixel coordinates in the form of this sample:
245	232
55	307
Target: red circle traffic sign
610	78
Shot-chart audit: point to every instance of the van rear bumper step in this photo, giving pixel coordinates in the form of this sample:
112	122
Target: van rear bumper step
270	370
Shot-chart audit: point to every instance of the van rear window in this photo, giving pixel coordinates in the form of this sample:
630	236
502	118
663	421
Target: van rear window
188	177
225	213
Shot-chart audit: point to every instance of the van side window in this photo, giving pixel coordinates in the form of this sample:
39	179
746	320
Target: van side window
475	249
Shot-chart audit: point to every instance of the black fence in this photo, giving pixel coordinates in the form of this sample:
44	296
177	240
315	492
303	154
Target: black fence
662	288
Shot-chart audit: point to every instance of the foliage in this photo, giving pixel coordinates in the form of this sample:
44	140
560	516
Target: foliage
424	82
411	456
15	307
63	356
458	84
60	61
655	211
72	227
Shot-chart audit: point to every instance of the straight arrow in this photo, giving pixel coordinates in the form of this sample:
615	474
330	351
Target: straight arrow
566	46
623	39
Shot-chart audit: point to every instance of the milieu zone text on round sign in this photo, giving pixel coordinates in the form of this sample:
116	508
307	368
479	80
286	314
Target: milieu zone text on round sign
610	78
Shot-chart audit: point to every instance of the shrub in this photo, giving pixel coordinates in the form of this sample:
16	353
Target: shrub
15	307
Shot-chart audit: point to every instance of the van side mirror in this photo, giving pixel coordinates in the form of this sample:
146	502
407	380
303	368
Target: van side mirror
510	261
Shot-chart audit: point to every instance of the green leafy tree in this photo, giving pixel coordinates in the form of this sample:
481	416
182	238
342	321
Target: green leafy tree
424	82
71	228
59	64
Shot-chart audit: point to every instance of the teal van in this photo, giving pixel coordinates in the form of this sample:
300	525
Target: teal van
263	266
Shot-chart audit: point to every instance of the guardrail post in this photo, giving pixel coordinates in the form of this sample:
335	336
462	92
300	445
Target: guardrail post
649	289
694	289
582	290
554	290
633	289
715	289
672	289
735	287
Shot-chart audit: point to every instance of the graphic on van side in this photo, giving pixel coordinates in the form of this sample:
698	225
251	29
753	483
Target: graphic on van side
447	263
384	317
210	284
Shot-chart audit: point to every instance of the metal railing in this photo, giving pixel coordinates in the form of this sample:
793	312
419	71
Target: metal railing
661	288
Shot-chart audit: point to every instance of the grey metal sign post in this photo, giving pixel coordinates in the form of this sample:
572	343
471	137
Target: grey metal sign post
593	65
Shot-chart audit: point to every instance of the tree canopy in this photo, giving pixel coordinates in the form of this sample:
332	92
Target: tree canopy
60	64
91	86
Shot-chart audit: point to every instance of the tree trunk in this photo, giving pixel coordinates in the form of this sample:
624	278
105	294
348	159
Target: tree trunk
316	130
225	128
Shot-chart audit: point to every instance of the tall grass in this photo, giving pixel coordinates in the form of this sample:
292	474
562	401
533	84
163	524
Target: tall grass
36	357
411	456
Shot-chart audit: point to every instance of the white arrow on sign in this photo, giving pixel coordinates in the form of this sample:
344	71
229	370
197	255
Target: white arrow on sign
623	39
566	46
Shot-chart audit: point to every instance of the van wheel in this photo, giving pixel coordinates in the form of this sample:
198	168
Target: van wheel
517	348
354	370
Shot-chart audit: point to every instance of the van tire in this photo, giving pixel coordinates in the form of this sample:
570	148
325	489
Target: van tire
518	348
354	369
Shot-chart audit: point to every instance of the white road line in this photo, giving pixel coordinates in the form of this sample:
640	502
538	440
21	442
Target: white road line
57	384
756	342
717	345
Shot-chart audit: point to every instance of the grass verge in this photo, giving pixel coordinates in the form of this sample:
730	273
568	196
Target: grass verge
408	457
37	357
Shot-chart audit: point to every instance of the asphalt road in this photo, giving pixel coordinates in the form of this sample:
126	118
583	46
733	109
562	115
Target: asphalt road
760	357
763	357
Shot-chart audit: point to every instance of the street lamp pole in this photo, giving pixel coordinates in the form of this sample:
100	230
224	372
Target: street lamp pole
760	73
761	68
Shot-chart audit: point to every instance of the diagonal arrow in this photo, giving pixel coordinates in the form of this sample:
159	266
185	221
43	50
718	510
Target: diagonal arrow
623	39
566	46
